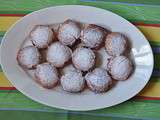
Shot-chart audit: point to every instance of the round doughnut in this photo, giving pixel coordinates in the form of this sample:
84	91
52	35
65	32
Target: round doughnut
98	80
28	57
115	44
83	58
73	81
58	54
120	67
69	32
92	36
42	36
47	75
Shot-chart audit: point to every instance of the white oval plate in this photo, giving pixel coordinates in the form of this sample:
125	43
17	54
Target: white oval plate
87	100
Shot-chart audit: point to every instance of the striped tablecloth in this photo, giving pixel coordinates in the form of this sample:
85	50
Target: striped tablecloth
145	106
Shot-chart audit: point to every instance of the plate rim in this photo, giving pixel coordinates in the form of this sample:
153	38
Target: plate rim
60	107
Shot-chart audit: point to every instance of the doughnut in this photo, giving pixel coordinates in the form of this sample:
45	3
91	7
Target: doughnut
58	54
42	36
72	81
115	44
92	36
28	57
120	68
83	58
98	80
69	32
47	75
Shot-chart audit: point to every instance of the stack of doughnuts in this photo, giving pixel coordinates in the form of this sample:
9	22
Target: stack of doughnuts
76	56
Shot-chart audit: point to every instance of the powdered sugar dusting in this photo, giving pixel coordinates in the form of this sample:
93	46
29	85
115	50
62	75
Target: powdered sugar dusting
83	58
116	44
98	79
69	31
68	68
58	54
73	81
121	68
42	36
28	57
92	36
46	74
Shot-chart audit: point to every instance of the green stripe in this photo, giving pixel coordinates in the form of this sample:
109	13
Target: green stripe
18	100
154	43
2	33
90	117
30	5
155	79
9	91
157	61
28	115
31	115
129	108
0	68
134	13
134	108
15	12
146	101
150	2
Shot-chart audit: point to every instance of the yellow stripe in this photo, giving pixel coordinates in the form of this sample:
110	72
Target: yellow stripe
151	90
4	82
6	22
152	33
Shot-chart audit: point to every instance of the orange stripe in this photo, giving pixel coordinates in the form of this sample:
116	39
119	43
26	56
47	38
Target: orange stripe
7	88
147	98
144	24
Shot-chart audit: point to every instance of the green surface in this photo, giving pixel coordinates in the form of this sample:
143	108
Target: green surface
29	115
139	2
133	13
15	115
14	105
154	43
134	108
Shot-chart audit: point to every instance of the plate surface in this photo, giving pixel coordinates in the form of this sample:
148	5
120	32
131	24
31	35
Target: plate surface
87	100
